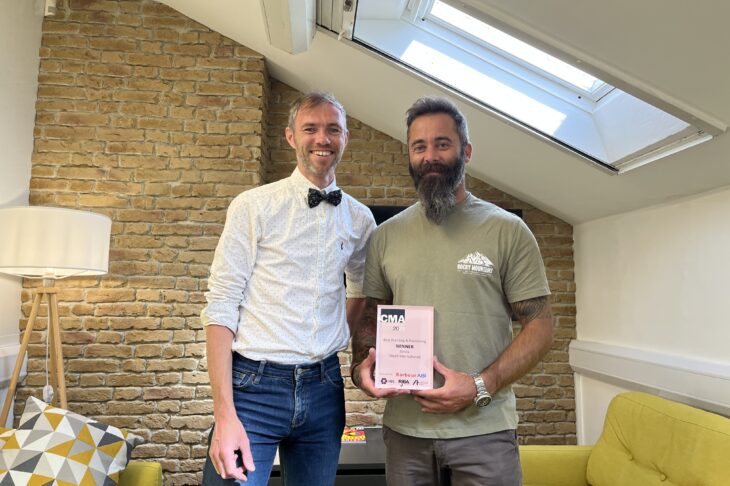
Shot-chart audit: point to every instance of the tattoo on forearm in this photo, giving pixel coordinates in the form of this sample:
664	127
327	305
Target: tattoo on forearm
363	337
531	309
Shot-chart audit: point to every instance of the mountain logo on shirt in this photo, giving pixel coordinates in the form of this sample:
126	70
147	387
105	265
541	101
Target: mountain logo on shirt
475	264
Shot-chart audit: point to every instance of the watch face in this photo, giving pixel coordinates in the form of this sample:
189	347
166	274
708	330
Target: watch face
483	401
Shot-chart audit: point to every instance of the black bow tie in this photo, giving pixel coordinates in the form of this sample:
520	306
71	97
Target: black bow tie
315	197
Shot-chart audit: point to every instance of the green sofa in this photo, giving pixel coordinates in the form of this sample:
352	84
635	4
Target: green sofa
646	441
139	473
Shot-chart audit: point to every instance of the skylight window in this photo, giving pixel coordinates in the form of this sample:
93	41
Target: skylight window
514	47
458	48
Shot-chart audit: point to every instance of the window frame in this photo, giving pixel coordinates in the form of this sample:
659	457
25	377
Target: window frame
426	20
616	133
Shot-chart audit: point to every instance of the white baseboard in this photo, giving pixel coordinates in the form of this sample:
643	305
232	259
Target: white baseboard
696	382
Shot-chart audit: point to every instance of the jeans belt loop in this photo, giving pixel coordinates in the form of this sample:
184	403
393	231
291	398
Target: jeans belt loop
322	368
262	365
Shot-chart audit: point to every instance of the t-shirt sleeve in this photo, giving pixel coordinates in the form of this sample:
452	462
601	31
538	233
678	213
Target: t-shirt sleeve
376	284
355	269
524	276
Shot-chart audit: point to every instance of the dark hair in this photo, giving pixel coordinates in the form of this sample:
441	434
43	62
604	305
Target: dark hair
310	100
428	105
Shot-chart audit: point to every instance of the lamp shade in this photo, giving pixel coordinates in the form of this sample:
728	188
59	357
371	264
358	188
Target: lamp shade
45	242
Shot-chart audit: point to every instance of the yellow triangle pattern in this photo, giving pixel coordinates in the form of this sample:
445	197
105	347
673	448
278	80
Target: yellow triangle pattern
112	448
88	479
62	449
54	419
11	443
86	437
38	480
83	457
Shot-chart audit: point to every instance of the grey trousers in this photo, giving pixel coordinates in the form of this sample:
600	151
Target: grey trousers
482	460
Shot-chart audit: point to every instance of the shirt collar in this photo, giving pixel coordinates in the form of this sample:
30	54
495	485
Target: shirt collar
300	182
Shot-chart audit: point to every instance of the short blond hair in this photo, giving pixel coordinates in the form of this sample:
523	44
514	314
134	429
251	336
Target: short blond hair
310	100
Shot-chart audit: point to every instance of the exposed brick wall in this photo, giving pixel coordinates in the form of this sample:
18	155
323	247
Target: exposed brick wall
374	169
158	122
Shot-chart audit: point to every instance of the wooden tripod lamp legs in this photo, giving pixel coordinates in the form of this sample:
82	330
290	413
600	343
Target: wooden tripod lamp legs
53	335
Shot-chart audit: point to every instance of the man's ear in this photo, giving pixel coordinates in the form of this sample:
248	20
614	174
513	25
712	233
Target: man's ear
467	152
289	134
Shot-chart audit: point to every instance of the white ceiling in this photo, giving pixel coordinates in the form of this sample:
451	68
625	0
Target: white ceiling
672	51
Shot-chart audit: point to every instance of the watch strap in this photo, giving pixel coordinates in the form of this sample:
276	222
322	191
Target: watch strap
479	382
482	397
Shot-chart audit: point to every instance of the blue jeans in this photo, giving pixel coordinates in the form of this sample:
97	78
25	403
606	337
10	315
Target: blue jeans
298	408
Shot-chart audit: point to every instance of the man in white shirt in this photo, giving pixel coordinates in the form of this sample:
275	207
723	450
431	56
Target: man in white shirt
276	314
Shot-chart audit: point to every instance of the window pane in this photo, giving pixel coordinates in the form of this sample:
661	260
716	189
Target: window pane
515	47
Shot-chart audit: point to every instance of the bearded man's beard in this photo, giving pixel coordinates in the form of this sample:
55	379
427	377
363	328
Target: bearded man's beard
438	193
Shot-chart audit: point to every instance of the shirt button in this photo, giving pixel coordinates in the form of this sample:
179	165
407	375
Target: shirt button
663	477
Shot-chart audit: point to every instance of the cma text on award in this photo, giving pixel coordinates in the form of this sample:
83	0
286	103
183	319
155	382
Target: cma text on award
404	347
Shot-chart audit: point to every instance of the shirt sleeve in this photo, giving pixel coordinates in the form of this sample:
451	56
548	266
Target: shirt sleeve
525	273
355	269
231	268
376	285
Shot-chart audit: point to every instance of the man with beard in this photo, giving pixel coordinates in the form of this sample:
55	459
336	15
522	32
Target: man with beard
276	314
476	264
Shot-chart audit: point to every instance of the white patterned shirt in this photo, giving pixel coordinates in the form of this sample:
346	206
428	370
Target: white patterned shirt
277	276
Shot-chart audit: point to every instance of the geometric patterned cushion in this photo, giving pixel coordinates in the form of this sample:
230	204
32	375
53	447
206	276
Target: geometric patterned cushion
52	446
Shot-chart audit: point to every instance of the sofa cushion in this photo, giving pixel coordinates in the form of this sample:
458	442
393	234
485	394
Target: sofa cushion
52	443
138	473
648	440
559	465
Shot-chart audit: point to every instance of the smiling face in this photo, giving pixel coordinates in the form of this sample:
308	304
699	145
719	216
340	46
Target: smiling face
437	162
319	137
435	151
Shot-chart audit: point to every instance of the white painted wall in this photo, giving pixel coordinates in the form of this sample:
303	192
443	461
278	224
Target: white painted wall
656	280
592	396
20	38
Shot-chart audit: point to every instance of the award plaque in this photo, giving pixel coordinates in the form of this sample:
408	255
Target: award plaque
404	347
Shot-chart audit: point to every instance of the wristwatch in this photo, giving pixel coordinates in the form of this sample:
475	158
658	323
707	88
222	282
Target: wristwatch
483	397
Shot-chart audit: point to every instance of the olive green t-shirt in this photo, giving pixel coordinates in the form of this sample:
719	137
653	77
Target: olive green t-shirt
469	268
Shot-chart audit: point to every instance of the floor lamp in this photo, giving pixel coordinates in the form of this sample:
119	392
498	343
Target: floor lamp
50	243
